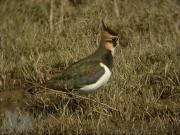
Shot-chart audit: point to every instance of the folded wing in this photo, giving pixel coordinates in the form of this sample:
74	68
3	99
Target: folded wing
77	76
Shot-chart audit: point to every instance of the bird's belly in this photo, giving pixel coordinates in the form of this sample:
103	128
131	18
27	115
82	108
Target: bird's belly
102	81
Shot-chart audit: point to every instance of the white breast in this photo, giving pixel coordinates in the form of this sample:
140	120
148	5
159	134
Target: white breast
102	80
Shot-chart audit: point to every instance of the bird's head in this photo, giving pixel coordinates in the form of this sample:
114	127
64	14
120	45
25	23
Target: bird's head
109	39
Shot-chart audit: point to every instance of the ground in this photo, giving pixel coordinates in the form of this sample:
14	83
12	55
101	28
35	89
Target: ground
39	38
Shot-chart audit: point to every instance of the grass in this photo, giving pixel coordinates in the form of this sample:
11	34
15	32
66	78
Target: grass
39	38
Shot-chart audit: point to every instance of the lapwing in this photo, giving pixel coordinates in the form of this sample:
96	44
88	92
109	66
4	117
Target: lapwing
91	72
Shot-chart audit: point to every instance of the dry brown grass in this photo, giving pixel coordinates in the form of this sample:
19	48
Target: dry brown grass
143	95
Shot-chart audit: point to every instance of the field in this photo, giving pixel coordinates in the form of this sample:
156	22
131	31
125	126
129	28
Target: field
40	38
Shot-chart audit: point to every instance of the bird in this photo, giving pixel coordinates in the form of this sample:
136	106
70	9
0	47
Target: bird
92	72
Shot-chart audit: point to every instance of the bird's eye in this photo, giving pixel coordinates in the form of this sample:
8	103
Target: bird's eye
115	41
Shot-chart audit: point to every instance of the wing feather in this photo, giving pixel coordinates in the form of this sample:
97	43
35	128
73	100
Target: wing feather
77	76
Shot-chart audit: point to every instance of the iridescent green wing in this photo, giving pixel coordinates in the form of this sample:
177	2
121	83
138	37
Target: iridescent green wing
77	76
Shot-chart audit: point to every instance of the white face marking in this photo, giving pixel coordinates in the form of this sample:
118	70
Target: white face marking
102	80
113	51
117	43
109	45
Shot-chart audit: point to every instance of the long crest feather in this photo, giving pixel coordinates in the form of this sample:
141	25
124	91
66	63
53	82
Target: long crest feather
107	29
103	25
